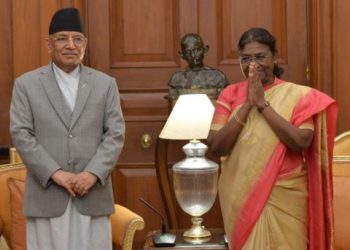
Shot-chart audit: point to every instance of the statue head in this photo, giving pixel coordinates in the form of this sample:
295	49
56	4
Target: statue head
193	50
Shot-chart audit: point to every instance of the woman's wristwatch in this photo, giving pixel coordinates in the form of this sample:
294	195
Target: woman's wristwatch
261	108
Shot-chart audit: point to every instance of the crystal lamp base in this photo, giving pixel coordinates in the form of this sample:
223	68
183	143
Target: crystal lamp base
197	230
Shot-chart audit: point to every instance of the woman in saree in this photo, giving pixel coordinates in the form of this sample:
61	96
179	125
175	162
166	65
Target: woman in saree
275	140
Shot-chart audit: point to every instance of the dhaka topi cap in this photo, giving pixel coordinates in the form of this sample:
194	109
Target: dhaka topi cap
66	19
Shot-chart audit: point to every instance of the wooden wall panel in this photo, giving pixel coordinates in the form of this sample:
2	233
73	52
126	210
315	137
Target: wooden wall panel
6	69
26	41
129	190
126	49
283	18
320	45
188	17
207	28
142	34
329	47
30	28
232	28
296	23
133	152
340	63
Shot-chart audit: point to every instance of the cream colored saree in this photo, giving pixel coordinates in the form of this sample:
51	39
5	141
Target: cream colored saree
264	187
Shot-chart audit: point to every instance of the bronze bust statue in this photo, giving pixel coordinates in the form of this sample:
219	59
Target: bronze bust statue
197	77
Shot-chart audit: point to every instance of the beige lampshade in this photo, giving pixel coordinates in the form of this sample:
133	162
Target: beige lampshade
190	118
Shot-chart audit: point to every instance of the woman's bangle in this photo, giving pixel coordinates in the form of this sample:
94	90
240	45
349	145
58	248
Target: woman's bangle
239	121
261	109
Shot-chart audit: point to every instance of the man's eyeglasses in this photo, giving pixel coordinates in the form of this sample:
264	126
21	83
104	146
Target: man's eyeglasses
258	59
64	40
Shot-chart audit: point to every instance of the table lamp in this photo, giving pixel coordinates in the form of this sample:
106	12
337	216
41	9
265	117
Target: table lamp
194	178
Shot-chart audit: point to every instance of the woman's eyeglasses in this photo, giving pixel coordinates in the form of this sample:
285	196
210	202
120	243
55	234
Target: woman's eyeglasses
258	59
64	40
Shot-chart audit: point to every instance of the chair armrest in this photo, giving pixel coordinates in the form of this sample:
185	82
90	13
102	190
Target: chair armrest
124	225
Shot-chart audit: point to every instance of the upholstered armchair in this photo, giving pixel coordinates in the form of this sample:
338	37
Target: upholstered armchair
341	187
342	144
12	222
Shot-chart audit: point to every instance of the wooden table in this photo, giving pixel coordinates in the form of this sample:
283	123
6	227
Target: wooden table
216	241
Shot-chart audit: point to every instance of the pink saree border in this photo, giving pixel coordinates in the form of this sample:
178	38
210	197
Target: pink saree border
312	103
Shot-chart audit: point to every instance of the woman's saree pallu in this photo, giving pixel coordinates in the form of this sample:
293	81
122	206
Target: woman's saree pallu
254	166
